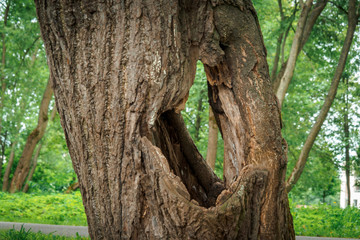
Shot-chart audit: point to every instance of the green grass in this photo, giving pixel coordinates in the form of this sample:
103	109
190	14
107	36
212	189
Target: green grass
23	234
67	209
326	221
59	209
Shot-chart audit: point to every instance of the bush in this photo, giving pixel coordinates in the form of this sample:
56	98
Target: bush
326	221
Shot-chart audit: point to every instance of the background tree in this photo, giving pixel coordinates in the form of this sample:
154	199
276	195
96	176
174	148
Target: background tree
24	77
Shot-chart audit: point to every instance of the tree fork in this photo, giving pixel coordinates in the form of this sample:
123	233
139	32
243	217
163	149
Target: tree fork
122	73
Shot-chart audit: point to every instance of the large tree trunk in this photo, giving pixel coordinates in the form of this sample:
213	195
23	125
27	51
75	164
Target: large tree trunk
122	73
23	167
212	140
305	151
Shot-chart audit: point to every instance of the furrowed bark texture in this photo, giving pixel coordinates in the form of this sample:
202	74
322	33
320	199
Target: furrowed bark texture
23	167
122	73
305	151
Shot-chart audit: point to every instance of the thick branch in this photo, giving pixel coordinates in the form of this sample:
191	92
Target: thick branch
299	167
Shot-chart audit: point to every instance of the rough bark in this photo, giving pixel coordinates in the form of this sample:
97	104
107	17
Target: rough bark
122	72
212	141
32	170
22	169
300	164
306	23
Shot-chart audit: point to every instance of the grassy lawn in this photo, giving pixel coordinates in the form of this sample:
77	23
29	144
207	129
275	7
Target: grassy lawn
59	209
67	209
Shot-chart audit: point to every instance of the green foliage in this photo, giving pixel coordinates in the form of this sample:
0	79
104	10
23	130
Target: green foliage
63	209
22	234
326	221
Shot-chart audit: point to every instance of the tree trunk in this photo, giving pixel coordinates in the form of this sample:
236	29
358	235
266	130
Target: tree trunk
3	152
300	164
122	73
3	63
290	65
35	136
5	185
347	144
212	141
304	28
198	115
32	170
36	156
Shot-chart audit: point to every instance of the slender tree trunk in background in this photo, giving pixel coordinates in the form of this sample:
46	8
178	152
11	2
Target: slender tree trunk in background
300	164
122	73
212	140
283	50
198	115
278	44
290	65
347	144
5	185
277	57
306	23
35	136
3	63
3	152
32	170
36	156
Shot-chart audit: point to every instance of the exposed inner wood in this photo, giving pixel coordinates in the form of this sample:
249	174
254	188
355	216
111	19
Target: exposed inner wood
185	159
